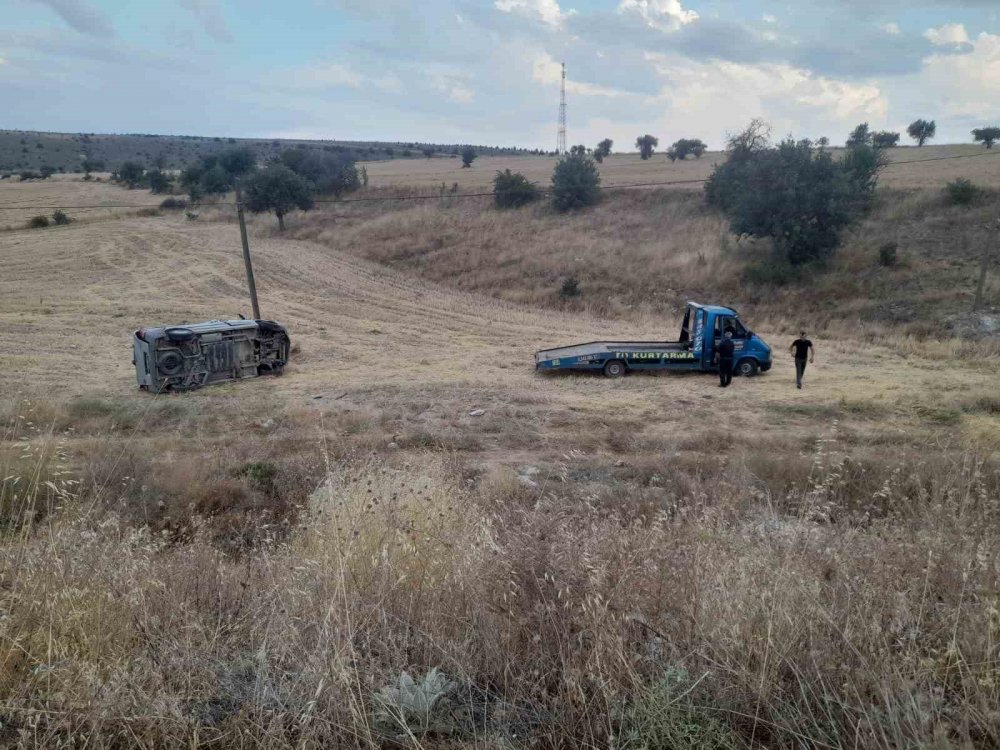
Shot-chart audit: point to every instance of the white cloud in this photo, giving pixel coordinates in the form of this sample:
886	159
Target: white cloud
950	33
547	11
336	75
209	13
453	85
713	96
963	86
768	18
545	70
666	15
2	61
892	29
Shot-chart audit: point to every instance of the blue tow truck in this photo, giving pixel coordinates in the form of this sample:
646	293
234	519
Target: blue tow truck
701	330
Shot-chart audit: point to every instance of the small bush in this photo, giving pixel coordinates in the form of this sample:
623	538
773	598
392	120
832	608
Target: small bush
38	222
575	183
962	192
888	254
570	287
772	272
513	190
60	218
173	204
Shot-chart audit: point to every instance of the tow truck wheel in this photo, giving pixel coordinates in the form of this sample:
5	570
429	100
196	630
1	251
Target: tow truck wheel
614	369
747	368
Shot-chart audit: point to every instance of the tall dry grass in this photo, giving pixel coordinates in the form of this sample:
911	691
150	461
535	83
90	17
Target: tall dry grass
834	613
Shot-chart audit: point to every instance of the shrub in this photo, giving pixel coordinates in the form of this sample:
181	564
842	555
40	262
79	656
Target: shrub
603	150
38	222
570	288
885	139
60	218
684	147
27	174
159	182
575	183
468	156
130	173
962	192
798	198
173	204
513	190
330	174
646	145
888	254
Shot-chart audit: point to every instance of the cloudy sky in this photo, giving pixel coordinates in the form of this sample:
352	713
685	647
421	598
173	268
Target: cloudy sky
486	71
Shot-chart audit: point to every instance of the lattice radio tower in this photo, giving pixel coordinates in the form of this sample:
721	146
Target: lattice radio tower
561	140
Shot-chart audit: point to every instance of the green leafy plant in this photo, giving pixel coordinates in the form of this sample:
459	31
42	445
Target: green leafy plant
60	218
513	190
962	192
575	183
38	222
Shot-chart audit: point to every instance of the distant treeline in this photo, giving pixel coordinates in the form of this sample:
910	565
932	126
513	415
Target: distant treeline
66	152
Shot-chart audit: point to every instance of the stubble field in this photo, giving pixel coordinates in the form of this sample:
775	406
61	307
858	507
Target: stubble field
646	562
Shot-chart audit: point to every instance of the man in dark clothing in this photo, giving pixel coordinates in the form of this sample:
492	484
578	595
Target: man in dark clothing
724	354
802	348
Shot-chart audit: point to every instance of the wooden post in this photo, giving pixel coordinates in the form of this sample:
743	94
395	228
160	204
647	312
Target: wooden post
989	254
246	253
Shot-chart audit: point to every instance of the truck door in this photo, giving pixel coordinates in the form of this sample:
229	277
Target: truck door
731	323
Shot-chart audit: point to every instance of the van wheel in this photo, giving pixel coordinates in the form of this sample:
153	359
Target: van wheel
179	334
747	368
614	369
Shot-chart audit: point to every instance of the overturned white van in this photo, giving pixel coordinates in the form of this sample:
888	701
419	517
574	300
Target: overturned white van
184	357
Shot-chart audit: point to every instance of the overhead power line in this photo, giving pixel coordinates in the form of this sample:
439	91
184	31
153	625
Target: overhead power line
450	196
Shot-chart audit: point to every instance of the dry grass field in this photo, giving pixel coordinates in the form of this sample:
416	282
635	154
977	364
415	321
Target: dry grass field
628	169
649	562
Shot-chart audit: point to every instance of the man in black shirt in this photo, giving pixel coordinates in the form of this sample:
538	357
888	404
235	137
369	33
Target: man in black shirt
724	353
802	348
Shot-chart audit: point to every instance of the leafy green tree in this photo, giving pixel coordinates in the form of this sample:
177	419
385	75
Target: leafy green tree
685	146
158	181
513	190
860	136
922	131
468	156
603	150
580	149
190	180
428	152
46	171
885	139
130	173
238	161
799	198
986	136
646	145
215	181
823	142
92	165
277	188
331	174
575	183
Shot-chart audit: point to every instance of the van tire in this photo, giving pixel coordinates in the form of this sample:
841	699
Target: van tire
747	367
179	334
614	369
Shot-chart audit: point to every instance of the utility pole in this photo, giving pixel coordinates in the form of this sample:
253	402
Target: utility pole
246	252
988	254
561	139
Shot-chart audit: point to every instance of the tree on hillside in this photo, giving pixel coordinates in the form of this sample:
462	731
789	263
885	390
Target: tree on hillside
580	150
331	174
922	131
513	190
468	156
986	136
428	152
575	182
646	145
130	173
277	188
91	165
823	142
685	146
799	198
238	161
190	180
860	136
215	181
158	181
603	149
885	139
